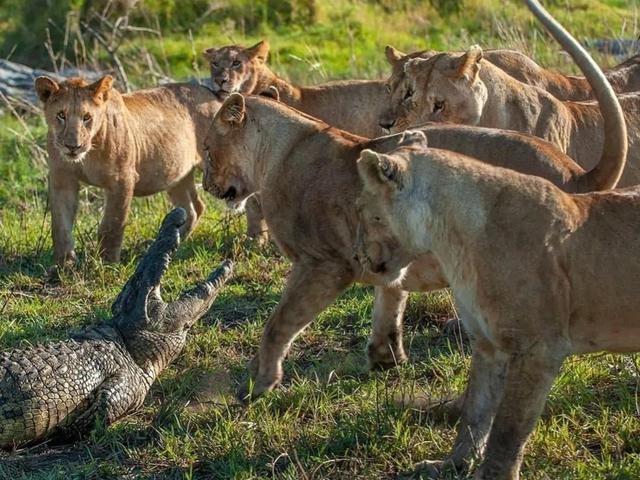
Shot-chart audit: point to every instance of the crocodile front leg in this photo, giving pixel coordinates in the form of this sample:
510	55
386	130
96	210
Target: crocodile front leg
116	396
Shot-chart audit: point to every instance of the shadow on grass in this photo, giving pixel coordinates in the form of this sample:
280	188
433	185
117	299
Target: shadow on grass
33	265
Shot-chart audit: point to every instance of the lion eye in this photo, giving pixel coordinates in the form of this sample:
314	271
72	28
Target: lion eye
86	118
438	106
61	116
409	94
236	63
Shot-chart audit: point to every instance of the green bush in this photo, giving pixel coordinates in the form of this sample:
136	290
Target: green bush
247	15
26	22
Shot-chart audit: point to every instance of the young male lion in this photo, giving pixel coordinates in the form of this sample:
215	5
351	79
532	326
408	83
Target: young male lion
351	105
130	145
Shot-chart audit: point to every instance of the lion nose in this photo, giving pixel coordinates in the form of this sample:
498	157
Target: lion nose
379	267
72	147
387	124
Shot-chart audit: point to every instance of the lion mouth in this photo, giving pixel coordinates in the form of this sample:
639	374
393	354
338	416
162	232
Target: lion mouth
223	91
230	194
380	268
74	155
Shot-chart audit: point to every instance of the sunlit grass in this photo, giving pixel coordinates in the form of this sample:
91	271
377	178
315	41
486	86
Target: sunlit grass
331	418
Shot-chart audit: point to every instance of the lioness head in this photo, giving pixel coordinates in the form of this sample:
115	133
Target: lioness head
230	147
443	88
73	110
385	177
235	68
396	85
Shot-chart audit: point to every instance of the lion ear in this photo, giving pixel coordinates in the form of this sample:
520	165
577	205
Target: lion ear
378	170
45	87
260	51
232	110
468	66
209	53
393	55
413	138
102	88
271	92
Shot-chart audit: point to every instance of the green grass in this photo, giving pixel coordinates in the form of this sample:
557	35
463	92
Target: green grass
331	418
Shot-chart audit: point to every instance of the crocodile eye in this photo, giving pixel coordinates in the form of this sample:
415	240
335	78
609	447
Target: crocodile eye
236	63
61	116
438	106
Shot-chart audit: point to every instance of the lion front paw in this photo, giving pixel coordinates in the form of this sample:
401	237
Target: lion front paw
257	384
384	356
66	259
254	389
492	471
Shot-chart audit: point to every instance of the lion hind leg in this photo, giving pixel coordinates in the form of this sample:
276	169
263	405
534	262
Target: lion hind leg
385	349
529	378
184	195
257	228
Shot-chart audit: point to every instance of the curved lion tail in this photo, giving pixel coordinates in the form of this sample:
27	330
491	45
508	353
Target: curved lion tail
607	172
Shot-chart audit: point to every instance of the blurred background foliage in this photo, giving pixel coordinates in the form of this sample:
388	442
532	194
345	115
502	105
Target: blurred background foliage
312	40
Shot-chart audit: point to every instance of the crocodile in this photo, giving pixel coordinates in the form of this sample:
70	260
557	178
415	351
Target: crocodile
66	388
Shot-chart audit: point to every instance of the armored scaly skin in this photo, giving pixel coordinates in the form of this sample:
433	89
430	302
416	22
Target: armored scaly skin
105	371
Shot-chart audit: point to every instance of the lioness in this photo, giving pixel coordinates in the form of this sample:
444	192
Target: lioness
136	144
299	163
480	222
352	105
520	256
466	89
624	77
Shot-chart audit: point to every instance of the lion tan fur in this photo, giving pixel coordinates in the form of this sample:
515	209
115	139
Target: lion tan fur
485	95
351	105
624	77
520	256
299	163
129	145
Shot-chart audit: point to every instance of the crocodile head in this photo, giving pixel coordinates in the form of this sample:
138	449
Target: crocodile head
139	306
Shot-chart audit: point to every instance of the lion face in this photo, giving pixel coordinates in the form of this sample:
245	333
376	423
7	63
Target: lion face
443	88
376	248
387	186
397	84
74	111
236	69
229	160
